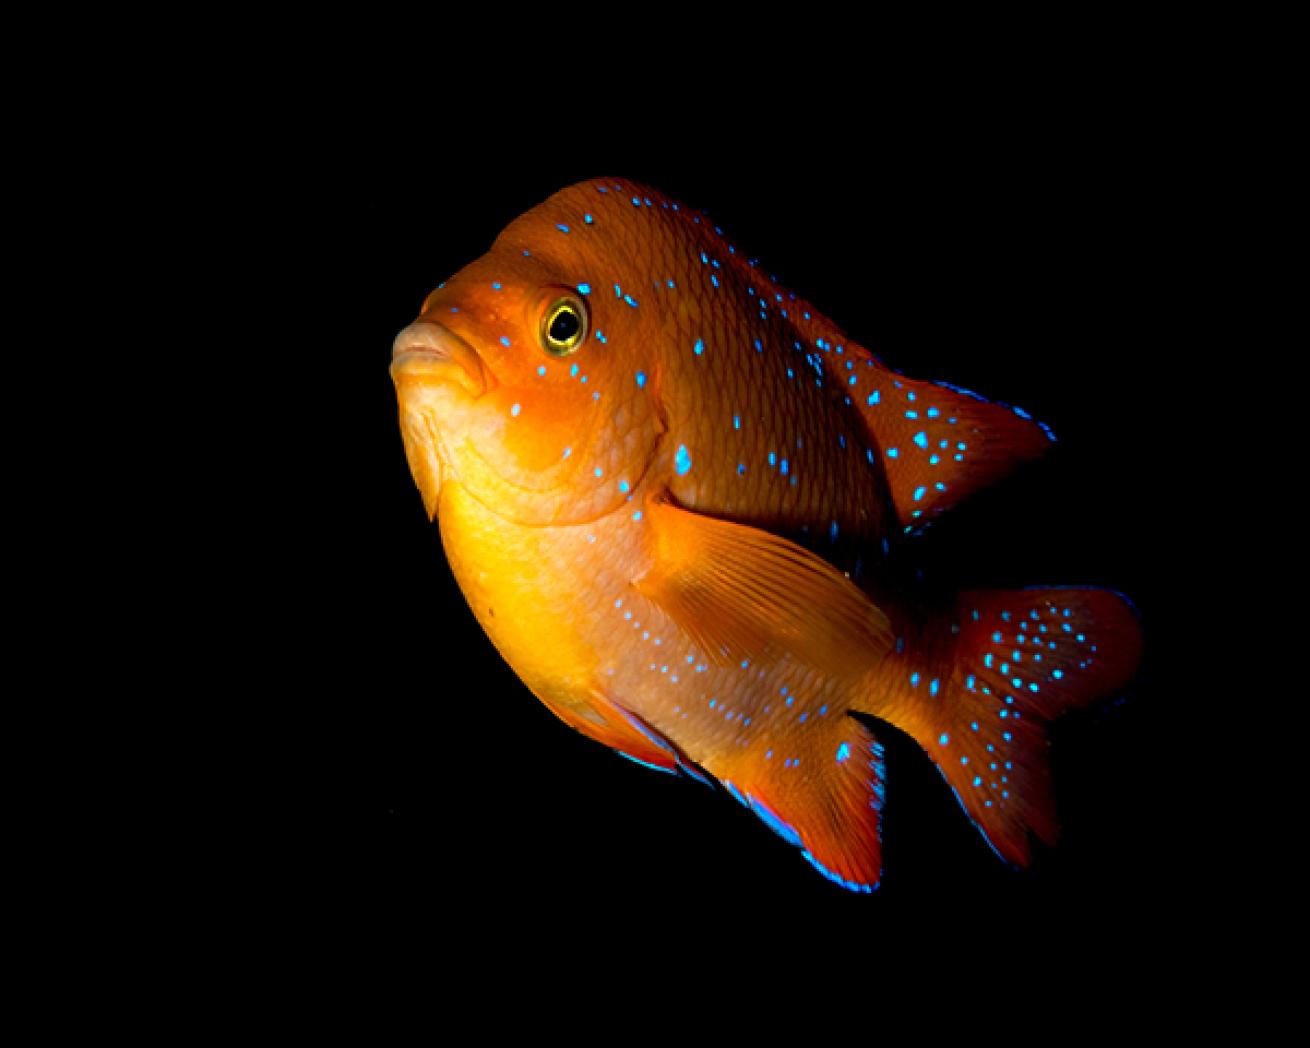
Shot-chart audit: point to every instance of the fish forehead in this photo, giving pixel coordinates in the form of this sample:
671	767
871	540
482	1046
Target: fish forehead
620	227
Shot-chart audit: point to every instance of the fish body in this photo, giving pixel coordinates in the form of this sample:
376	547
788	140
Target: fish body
672	492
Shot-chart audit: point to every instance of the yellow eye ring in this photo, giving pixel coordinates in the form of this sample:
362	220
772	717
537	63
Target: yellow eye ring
564	326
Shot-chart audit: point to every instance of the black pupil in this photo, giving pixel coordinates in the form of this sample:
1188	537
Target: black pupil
565	325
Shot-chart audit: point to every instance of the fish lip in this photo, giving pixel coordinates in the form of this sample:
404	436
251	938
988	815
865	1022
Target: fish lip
426	348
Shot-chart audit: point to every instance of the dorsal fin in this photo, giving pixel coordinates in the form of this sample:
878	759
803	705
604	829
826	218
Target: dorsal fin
940	444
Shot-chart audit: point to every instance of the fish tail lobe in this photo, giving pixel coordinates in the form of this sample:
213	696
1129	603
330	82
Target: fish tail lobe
1017	660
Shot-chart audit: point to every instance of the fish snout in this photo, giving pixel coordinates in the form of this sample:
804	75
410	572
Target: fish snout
428	350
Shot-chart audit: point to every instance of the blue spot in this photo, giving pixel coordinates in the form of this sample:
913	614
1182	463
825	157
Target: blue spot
873	398
933	686
919	493
641	379
783	467
541	369
682	462
496	285
588	219
504	340
630	301
843	752
584	289
623	486
943	739
891	453
598	472
700	346
515	410
736	422
561	227
741	468
637	515
921	439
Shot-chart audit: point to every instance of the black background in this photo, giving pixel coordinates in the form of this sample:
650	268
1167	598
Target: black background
1021	246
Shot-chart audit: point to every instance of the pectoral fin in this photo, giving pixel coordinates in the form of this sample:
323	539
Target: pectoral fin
743	593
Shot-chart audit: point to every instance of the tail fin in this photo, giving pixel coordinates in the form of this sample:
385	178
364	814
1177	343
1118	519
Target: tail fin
1021	658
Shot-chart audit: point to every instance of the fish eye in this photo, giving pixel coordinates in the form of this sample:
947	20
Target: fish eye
564	326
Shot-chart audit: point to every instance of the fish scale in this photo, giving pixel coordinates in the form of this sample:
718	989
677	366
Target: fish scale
674	528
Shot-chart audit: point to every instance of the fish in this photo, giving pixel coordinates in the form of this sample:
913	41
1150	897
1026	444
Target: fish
680	501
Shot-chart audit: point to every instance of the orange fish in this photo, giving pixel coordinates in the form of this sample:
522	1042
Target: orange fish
673	494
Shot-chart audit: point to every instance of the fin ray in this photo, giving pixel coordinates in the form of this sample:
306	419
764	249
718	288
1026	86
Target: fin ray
742	592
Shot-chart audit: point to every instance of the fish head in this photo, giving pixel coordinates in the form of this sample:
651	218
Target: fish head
524	379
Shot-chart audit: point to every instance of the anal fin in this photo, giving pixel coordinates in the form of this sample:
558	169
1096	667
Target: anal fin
831	812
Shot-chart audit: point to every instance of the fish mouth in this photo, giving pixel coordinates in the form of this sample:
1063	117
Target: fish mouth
430	351
434	370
